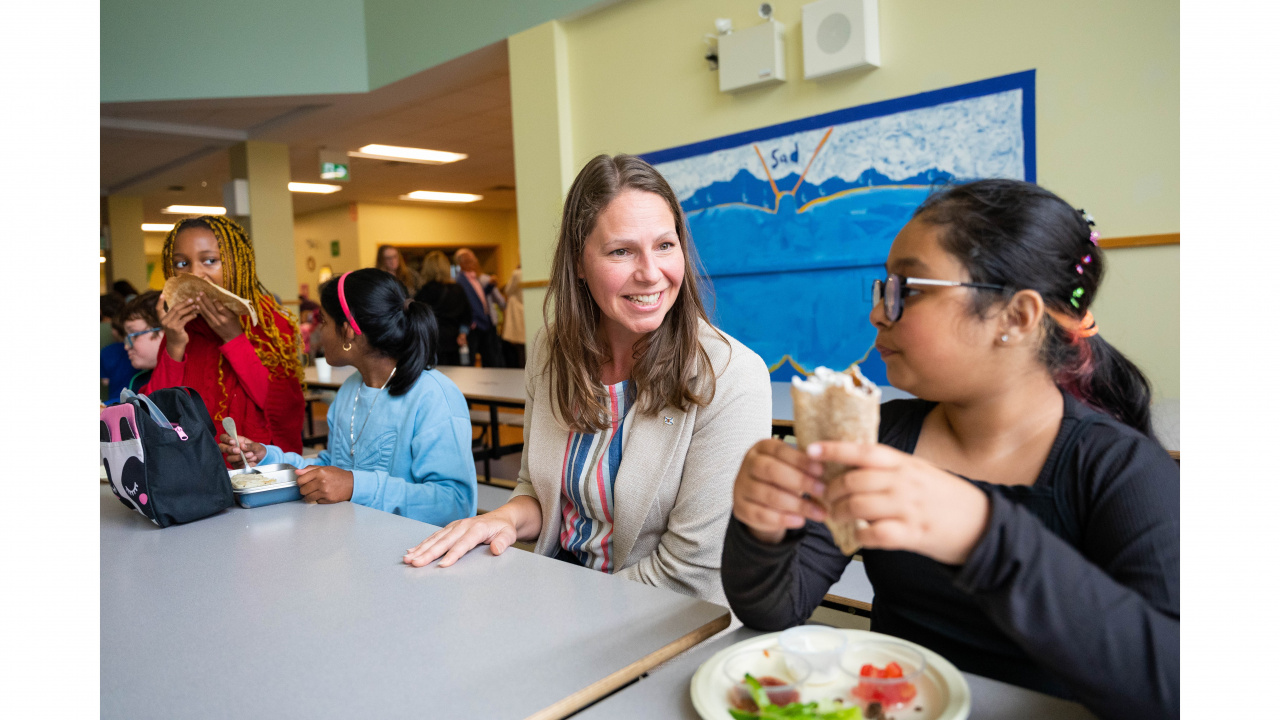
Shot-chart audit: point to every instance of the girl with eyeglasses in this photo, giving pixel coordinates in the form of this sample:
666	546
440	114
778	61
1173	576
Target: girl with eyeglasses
250	373
399	430
1017	518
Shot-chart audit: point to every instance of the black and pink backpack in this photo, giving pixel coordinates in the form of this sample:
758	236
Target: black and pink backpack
161	458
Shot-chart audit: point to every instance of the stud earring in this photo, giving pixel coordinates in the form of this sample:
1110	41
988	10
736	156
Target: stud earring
1004	338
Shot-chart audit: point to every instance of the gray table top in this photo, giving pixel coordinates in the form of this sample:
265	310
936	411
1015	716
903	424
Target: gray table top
853	588
297	610
664	693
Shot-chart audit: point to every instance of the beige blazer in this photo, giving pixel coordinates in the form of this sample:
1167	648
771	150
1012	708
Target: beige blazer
674	490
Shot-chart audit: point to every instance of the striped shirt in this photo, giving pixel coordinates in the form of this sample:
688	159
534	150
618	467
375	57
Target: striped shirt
591	463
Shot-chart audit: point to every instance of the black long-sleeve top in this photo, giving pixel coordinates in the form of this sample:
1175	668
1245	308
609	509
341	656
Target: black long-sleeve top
1072	589
449	302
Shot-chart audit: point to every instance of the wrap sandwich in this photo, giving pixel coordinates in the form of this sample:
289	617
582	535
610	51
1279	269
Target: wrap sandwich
833	405
180	288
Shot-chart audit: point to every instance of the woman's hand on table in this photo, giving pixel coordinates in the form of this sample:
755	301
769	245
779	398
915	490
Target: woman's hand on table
221	320
174	321
907	503
253	452
325	484
772	492
458	538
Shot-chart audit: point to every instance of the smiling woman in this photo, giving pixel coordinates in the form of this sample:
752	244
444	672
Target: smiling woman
637	409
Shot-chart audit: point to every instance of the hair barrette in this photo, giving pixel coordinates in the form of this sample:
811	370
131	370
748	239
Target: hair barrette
1076	295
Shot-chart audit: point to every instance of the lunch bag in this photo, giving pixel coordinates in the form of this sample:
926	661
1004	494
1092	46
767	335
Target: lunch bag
161	458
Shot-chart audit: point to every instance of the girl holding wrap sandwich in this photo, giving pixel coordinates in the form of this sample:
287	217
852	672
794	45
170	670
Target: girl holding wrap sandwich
637	409
1017	518
399	430
246	371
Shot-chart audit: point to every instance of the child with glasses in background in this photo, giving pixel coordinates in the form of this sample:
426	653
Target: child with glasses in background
142	337
1017	518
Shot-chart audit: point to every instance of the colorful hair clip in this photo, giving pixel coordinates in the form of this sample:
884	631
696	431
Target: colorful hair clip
1076	295
1094	237
1088	259
1079	270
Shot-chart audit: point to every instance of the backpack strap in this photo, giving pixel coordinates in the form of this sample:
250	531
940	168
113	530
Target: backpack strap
126	395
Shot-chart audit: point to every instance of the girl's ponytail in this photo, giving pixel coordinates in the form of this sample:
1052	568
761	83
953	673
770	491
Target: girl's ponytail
418	345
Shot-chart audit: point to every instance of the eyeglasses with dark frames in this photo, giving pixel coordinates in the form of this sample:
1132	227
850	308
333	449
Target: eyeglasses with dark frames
890	290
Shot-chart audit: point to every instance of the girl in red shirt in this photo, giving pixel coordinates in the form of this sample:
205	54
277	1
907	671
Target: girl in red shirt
250	373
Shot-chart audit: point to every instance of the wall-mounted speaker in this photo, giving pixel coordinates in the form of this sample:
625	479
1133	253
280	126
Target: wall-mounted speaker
840	35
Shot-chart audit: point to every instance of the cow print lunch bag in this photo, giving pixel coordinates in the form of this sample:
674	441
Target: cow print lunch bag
161	458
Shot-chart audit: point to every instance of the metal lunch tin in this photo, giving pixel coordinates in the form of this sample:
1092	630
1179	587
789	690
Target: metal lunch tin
284	487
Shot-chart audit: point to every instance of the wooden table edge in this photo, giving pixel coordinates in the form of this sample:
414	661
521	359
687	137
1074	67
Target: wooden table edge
613	681
847	602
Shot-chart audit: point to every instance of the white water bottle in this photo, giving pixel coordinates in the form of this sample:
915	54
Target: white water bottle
464	355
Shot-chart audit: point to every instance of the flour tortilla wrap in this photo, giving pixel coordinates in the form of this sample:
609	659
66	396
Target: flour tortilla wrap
836	406
180	288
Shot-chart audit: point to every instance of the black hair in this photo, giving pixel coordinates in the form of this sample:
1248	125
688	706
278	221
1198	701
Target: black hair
1021	236
124	287
392	324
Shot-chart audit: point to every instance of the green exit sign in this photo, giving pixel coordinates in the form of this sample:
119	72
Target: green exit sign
334	171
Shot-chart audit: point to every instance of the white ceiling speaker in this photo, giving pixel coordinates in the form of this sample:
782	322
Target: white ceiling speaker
840	35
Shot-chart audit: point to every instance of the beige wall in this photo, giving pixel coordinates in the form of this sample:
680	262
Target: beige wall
1107	78
429	226
312	235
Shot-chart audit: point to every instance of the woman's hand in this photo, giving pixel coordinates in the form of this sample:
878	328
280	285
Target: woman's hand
462	340
174	321
908	503
325	484
223	322
771	494
253	452
460	536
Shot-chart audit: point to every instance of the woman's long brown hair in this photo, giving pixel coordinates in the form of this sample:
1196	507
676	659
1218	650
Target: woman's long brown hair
671	367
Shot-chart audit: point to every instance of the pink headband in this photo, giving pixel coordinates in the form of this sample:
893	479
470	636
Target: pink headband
342	298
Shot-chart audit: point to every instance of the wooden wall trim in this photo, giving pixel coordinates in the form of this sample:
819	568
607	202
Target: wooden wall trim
535	283
1139	241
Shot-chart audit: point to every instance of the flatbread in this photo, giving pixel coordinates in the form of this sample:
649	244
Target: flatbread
180	288
831	407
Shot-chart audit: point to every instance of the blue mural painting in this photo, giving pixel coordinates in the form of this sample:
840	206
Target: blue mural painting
794	221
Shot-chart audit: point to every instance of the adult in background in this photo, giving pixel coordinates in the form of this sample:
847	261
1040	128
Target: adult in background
513	323
449	302
109	305
390	260
482	335
637	410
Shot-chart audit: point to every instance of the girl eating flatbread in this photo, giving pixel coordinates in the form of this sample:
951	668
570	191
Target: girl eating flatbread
399	430
637	409
1017	518
246	370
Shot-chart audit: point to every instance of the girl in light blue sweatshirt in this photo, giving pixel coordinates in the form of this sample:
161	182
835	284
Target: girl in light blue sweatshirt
399	430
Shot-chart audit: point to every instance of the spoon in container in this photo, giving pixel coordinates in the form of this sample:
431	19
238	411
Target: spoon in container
230	426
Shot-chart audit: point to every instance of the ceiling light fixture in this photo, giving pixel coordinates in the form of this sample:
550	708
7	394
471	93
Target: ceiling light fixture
407	154
157	227
445	197
322	188
101	259
194	210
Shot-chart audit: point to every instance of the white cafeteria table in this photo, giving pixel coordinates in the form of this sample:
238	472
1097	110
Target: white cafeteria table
296	610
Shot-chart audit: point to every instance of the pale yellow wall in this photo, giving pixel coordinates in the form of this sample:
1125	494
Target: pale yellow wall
429	226
128	256
1106	109
312	235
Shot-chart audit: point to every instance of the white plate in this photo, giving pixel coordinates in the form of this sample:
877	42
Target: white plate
943	693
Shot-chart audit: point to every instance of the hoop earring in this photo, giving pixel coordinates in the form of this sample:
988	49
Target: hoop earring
346	347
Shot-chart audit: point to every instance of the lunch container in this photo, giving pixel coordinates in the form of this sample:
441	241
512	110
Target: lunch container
773	662
889	692
284	487
820	646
